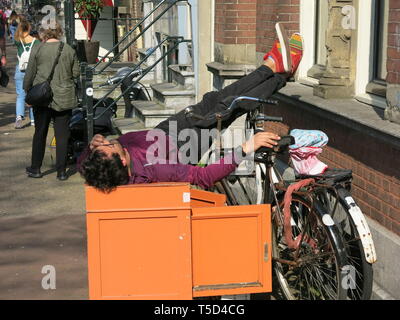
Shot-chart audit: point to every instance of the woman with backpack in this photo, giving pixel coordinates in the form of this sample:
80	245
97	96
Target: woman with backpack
24	42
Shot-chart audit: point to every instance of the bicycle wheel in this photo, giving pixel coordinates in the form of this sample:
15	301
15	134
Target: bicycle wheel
315	271
360	285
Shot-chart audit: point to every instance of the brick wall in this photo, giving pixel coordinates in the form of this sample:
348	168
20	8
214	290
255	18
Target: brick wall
393	54
235	21
271	11
374	162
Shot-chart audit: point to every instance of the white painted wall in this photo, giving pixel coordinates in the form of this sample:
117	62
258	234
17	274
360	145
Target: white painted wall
103	32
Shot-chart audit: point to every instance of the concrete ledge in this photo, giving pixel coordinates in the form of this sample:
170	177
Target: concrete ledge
230	71
386	269
171	89
349	112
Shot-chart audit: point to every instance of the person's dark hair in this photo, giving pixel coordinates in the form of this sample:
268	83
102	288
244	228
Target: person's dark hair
103	173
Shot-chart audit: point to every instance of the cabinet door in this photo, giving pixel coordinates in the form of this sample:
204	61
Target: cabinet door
139	255
231	250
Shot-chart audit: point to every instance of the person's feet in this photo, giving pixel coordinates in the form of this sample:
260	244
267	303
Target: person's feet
296	50
286	54
280	52
33	173
18	123
62	175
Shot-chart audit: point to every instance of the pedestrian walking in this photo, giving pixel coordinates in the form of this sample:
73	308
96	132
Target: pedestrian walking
40	64
25	43
13	24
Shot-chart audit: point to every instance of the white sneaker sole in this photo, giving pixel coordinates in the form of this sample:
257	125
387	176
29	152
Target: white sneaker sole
284	42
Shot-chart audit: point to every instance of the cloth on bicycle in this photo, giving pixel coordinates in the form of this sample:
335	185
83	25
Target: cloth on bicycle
304	152
293	243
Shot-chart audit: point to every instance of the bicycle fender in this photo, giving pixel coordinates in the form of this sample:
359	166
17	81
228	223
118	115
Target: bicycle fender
361	224
333	231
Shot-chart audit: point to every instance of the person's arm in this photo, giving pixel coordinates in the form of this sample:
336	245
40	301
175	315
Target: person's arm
205	177
75	66
3	51
96	141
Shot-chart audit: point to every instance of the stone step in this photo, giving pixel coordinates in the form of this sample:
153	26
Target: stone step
143	53
182	74
173	96
151	112
99	93
112	70
126	125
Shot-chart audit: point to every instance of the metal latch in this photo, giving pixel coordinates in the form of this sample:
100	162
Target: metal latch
266	252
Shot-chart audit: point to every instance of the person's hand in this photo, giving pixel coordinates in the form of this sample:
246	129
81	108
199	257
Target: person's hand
28	105
97	141
3	60
261	139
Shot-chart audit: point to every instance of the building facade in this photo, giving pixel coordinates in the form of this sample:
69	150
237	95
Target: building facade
347	86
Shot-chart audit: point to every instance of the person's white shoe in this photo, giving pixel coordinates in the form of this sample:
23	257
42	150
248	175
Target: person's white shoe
285	49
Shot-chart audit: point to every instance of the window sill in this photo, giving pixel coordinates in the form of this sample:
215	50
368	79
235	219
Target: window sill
350	112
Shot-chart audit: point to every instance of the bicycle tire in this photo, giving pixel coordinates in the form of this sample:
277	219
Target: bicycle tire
362	288
305	280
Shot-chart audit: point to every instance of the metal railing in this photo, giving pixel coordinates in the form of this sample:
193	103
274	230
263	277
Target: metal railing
87	72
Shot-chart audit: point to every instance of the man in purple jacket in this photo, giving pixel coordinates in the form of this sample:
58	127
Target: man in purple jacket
107	164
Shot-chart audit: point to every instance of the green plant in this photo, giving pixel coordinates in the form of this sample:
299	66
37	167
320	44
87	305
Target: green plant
90	11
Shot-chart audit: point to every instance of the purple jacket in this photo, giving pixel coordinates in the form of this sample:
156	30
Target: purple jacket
145	171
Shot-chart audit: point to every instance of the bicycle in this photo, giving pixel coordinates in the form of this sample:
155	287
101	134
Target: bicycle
309	256
333	189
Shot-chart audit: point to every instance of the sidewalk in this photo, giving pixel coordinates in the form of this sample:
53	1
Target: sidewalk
42	221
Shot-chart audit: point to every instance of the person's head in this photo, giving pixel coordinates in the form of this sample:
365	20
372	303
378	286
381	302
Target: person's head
51	32
24	28
106	167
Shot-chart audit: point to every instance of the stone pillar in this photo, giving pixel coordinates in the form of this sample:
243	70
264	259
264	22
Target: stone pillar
338	79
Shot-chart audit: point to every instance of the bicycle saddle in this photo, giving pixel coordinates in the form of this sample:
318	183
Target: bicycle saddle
334	174
262	153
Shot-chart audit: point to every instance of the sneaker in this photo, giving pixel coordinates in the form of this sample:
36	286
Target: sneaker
280	52
296	50
32	123
18	122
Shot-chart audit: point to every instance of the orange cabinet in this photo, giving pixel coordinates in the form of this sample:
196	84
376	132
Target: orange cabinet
168	241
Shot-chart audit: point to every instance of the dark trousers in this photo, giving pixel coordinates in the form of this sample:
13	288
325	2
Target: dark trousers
261	83
61	119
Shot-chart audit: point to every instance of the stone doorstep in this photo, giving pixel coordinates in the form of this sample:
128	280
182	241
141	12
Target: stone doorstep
151	112
173	95
230	70
126	125
142	53
182	74
171	89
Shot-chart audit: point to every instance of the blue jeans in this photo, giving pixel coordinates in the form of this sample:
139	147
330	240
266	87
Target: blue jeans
12	31
20	106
